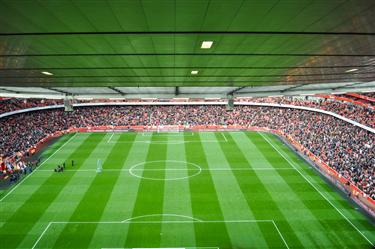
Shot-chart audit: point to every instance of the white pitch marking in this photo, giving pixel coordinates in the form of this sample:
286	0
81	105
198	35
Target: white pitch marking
158	215
37	169
168	134
281	236
292	164
213	169
225	138
161	221
110	138
198	170
40	237
194	220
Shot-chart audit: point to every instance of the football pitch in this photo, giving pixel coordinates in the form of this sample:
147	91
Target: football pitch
178	190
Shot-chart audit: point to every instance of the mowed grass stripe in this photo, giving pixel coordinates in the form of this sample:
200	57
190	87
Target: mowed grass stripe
204	200
229	192
120	205
305	225
67	200
332	219
26	200
292	194
57	154
341	203
257	196
335	232
92	205
18	226
177	198
55	150
289	204
149	199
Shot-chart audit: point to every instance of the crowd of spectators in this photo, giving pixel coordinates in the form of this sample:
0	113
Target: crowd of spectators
347	148
371	95
14	104
13	169
354	112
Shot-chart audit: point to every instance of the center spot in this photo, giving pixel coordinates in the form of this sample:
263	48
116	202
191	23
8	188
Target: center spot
165	170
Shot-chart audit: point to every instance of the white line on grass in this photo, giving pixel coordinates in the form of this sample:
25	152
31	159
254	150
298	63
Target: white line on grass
40	237
172	141
281	236
110	137
162	215
167	134
160	221
37	169
128	221
217	169
293	165
225	138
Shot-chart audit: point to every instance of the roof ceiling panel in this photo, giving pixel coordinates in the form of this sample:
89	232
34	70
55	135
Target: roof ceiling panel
157	43
209	90
146	90
85	90
29	89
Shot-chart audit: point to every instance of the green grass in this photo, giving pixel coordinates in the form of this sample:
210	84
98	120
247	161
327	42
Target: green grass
186	190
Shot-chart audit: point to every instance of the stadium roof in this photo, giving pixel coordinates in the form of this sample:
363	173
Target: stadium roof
139	48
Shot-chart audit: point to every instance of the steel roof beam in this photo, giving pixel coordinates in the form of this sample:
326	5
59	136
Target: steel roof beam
234	32
236	90
58	90
188	54
116	90
183	67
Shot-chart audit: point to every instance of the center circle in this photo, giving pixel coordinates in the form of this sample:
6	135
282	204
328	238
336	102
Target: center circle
165	170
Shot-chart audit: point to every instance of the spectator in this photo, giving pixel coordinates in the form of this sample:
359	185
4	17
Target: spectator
345	147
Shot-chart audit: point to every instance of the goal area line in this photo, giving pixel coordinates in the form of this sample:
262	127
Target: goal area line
170	134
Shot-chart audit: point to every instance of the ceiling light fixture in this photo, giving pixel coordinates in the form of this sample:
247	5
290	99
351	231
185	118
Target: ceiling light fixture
206	44
47	73
351	70
194	72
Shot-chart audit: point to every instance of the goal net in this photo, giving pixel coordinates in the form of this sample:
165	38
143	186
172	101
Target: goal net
169	129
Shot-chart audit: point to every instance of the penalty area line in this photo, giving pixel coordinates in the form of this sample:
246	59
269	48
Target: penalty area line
225	138
130	220
280	234
110	138
174	169
41	235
